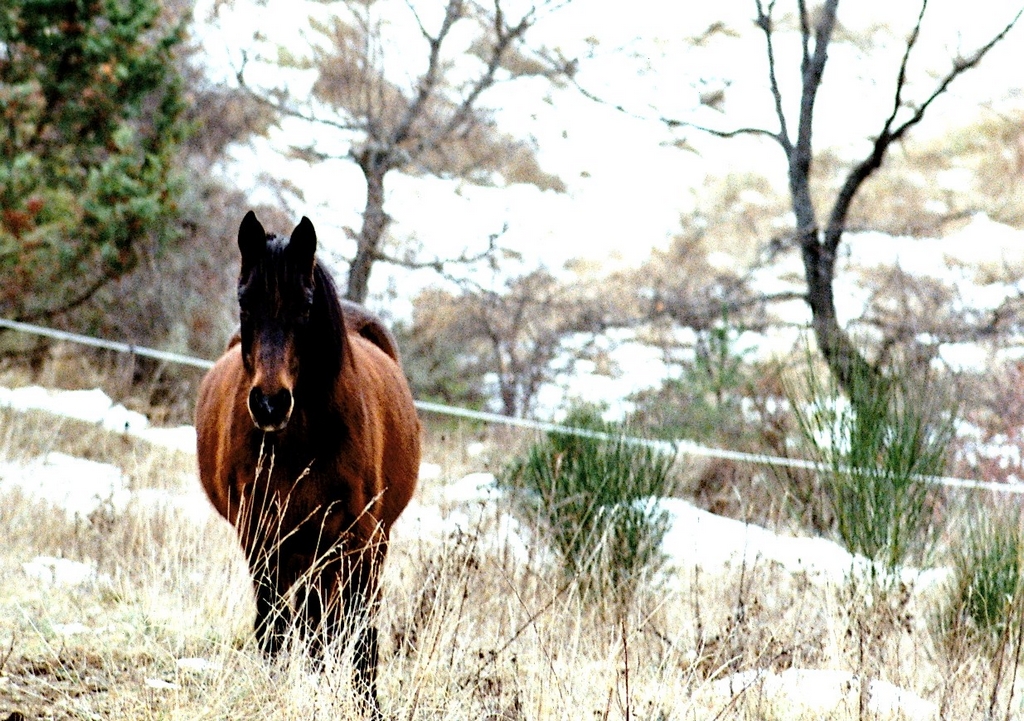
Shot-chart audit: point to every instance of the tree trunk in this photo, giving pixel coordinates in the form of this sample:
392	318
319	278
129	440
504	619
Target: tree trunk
849	367
375	166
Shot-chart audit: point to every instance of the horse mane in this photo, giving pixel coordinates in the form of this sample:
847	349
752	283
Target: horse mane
325	338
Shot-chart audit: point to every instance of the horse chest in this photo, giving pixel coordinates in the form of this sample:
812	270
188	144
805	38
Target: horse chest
308	485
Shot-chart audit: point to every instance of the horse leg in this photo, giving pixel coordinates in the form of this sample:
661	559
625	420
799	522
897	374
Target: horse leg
272	617
367	656
359	605
273	614
339	599
312	597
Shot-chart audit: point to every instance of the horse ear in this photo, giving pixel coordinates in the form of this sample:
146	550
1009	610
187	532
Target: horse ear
302	244
252	239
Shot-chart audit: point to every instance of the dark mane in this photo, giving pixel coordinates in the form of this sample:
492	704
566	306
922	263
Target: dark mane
323	343
320	343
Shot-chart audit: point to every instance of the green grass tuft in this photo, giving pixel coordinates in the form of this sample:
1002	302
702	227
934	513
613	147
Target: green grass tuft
986	585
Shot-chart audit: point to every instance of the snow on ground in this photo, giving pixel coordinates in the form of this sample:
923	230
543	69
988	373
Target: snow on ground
77	486
59	571
954	260
696	537
469	506
93	406
973	262
821	691
81	487
699	538
626	180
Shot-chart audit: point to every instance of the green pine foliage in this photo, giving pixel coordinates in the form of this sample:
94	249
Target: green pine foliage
90	120
876	454
596	498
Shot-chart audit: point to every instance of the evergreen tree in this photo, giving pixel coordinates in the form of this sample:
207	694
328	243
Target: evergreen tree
91	113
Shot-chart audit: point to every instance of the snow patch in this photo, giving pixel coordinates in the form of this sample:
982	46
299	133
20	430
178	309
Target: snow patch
77	486
197	665
429	471
824	691
94	406
59	571
471	506
70	629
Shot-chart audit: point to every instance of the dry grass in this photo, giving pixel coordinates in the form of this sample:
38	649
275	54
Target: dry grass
469	629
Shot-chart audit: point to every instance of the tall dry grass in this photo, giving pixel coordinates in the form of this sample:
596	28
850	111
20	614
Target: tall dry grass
471	628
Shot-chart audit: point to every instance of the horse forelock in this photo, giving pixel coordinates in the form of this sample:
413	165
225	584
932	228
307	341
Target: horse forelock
273	273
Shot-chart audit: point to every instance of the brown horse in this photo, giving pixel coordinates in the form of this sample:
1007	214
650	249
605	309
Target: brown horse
309	444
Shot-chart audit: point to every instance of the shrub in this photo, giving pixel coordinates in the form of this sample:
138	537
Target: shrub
596	495
705	402
93	118
875	455
986	584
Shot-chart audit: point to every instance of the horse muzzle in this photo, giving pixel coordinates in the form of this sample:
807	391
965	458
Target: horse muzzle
271	412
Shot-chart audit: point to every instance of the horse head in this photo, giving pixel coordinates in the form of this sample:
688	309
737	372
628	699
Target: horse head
275	299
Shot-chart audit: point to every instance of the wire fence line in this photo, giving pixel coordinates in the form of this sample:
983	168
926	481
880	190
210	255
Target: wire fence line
105	344
681	447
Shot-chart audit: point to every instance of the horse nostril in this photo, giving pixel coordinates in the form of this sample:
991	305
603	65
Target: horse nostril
281	403
270	412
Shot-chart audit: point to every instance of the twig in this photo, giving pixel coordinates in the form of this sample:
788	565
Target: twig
608	705
625	656
1016	660
523	626
758	676
890	134
1003	641
7	656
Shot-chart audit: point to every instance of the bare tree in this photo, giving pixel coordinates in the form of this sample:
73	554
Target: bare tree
430	124
515	334
819	239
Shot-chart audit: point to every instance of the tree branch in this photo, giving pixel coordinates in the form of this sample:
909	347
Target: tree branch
863	170
438	264
66	306
764	21
287	110
735	132
428	82
812	69
505	37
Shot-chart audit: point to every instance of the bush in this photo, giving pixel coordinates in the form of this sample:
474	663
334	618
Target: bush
705	403
875	454
596	495
986	585
93	118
